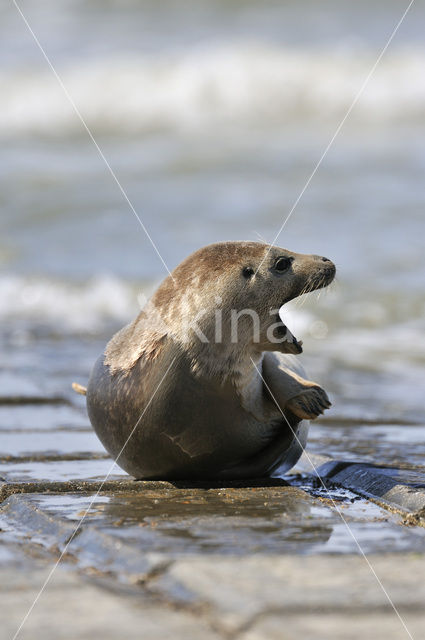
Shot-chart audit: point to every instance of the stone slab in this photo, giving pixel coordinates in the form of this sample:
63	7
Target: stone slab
252	592
18	444
384	442
90	469
71	607
379	625
16	388
30	417
399	489
144	518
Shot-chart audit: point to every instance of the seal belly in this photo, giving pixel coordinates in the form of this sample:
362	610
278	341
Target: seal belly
174	429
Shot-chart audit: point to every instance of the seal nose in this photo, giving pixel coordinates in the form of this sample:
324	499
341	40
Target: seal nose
328	268
322	258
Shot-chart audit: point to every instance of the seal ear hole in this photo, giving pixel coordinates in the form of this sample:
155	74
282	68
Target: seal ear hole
247	272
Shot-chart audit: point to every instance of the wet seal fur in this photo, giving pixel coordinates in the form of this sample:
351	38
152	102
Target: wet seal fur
214	414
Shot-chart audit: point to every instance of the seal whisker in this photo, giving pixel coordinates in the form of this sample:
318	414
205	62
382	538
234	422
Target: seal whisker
304	291
309	287
260	237
304	299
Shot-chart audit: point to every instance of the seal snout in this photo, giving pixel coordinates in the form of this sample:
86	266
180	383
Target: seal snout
326	272
329	272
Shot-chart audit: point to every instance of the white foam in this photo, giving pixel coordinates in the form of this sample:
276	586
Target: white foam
239	83
72	307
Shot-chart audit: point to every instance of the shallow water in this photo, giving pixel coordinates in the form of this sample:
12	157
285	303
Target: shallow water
213	116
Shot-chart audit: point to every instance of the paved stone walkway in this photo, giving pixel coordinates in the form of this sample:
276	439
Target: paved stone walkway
264	597
262	560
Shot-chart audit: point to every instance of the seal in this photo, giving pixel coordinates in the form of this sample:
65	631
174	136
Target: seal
204	383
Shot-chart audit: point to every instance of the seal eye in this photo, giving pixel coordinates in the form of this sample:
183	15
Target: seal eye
282	264
247	272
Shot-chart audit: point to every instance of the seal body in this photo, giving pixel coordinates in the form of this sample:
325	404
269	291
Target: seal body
203	384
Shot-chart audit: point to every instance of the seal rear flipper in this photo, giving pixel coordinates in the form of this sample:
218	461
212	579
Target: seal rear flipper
78	388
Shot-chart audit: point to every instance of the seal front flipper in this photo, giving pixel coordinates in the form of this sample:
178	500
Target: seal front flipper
309	404
283	377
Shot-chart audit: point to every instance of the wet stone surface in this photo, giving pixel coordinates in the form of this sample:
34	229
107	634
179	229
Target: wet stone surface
271	520
61	469
202	559
400	490
374	441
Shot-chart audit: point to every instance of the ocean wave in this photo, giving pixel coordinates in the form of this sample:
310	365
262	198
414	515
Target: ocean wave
245	84
75	308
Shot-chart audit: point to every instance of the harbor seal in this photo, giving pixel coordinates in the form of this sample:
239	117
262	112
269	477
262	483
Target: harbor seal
204	383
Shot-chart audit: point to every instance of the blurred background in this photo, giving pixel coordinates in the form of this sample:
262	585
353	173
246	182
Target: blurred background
213	114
